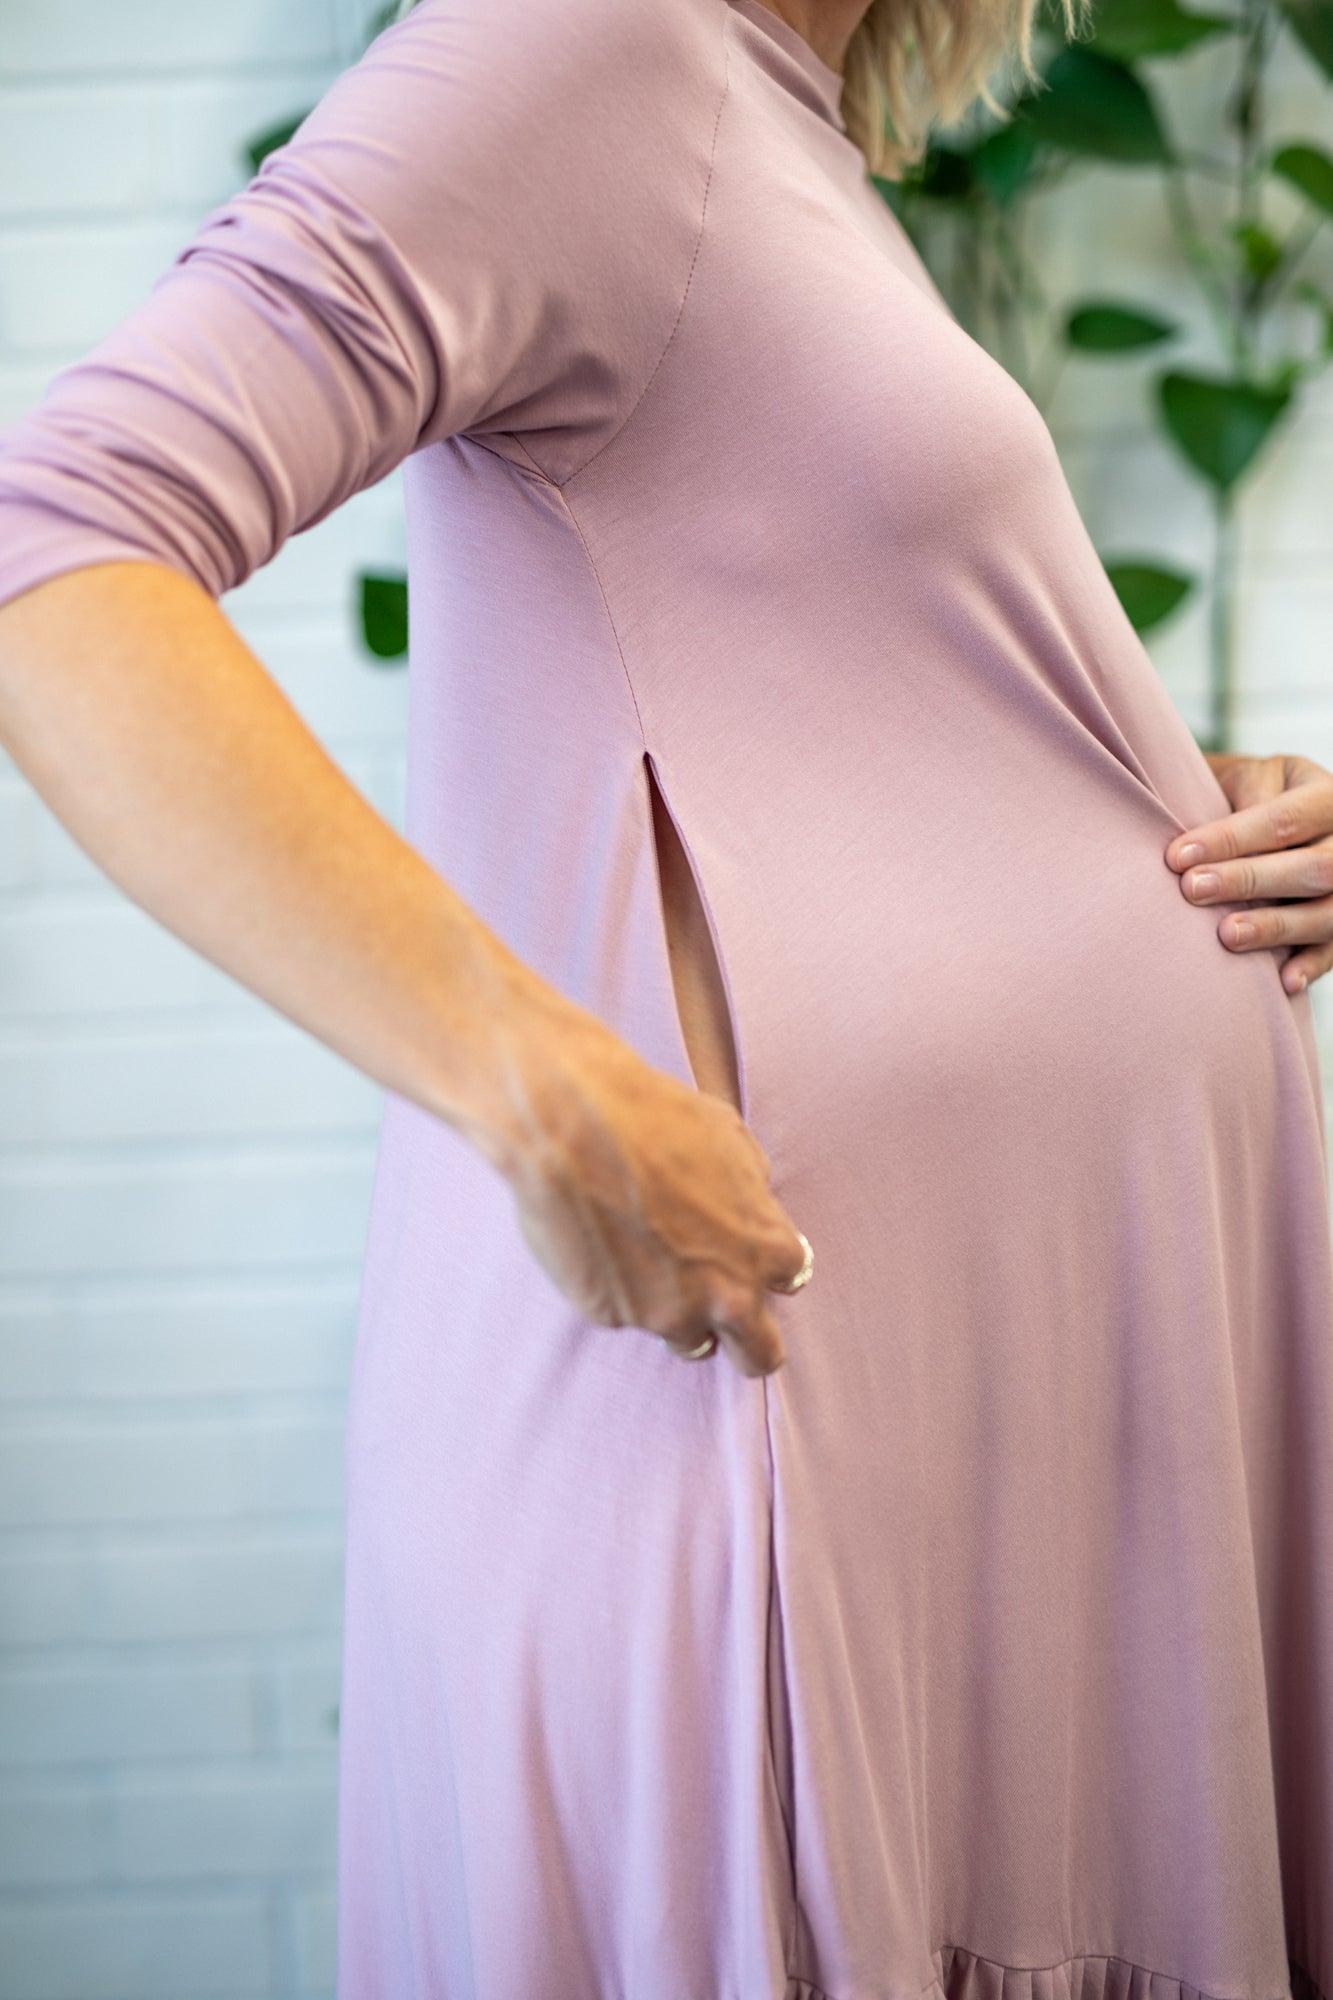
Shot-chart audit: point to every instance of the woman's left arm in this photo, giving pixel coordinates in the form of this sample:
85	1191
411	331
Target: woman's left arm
1277	843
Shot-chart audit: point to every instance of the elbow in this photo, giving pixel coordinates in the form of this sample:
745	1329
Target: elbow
83	484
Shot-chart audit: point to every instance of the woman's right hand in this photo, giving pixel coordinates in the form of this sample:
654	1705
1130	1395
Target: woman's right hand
207	799
646	1200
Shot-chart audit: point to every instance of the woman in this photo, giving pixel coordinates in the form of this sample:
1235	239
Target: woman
776	731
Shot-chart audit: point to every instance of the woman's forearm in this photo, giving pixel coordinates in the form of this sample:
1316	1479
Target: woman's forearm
140	716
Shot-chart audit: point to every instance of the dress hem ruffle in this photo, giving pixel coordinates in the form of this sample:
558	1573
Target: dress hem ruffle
965	1975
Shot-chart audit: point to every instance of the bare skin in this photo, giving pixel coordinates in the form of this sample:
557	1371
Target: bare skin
1275	849
137	712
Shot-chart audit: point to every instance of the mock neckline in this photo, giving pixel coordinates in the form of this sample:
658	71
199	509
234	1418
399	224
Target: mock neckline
823	80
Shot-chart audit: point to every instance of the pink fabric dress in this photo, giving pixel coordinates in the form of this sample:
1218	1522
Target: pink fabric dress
986	1649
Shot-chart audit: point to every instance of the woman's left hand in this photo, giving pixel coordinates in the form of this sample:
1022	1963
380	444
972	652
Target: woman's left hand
1277	843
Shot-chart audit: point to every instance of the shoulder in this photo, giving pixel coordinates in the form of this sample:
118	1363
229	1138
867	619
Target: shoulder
543	167
588	84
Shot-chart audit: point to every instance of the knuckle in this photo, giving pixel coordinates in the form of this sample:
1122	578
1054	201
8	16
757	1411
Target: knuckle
733	1303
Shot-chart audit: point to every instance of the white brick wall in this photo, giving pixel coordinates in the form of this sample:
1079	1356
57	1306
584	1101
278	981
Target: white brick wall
184	1177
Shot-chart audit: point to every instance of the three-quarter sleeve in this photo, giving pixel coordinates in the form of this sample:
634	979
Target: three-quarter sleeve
480	227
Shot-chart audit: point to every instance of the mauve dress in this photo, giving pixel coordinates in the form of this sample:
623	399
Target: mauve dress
985	1649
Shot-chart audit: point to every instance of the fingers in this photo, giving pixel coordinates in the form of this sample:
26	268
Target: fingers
1297	807
1291	923
1303	967
1277	843
742	1326
785	1263
730	1309
1300	871
752	1340
753	1349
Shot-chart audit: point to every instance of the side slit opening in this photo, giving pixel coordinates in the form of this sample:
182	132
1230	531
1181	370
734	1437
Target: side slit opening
704	1012
707	1023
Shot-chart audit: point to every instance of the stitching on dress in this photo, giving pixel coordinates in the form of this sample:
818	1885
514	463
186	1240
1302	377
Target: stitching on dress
698	244
1075	1958
601	592
1078	1957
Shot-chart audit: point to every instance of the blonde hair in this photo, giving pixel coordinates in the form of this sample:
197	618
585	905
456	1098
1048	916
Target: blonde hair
914	64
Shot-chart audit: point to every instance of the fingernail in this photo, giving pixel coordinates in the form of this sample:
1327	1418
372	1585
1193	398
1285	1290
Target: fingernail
1201	886
1241	932
1297	983
1191	851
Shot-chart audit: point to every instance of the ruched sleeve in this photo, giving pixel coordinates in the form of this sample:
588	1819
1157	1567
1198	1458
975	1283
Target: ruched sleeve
458	238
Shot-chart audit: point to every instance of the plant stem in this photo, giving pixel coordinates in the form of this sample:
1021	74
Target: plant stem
1244	318
1190	238
1249	114
1222	622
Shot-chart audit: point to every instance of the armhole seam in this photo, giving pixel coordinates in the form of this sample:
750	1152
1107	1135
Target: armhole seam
623	425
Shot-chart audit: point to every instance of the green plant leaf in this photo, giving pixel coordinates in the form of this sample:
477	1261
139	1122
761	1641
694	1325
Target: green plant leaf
1309	170
997	166
1099	326
1133	28
943	172
384	614
1003	162
1290	371
1093	105
1219	424
1260	251
268	142
1148	592
1311	21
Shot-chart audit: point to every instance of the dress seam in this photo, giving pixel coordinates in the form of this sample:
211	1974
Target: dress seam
786	1805
606	607
628	417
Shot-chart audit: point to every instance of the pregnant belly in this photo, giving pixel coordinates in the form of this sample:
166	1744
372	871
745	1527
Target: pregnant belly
989	988
1019	982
